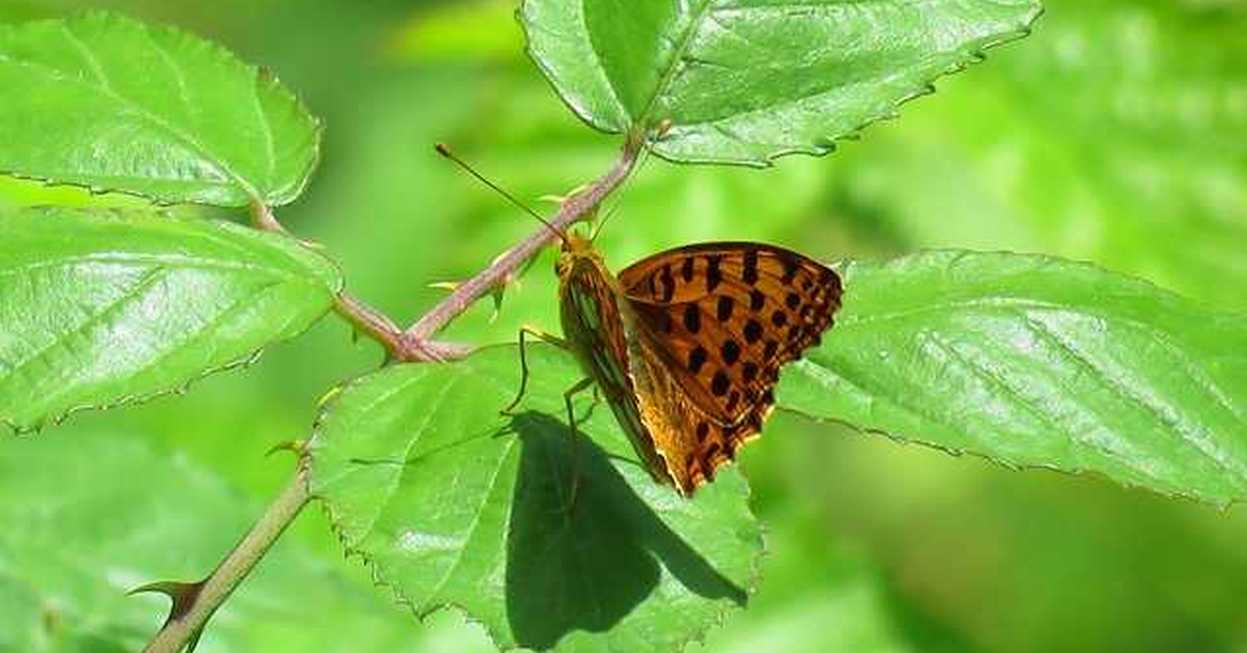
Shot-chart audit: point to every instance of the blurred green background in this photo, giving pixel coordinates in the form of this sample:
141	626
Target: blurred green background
1116	133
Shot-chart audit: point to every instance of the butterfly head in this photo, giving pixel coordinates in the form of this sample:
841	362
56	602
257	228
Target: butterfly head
576	249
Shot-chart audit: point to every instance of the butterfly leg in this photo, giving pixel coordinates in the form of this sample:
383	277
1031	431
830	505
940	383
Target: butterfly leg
540	335
573	432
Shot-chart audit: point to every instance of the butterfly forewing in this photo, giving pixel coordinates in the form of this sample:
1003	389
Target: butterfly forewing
723	318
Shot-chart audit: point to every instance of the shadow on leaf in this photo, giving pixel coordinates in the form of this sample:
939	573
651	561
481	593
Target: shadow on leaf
588	568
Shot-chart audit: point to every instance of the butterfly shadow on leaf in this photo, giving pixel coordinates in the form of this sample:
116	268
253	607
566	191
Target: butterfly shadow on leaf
587	568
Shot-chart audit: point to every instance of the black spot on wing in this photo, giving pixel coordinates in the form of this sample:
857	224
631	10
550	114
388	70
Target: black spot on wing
720	383
791	265
750	272
749	372
756	300
697	358
753	331
666	284
714	276
692	318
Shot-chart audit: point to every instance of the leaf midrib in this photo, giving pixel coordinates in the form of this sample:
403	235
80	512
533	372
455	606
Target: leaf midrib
1109	381
708	8
161	261
95	317
1018	306
1177	431
677	57
104	87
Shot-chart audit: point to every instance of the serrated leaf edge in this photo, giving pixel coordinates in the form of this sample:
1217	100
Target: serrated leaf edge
261	77
848	267
927	87
422	613
243	362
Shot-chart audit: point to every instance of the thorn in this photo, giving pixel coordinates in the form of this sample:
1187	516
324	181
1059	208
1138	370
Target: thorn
313	245
660	131
182	595
559	199
328	396
498	293
448	286
297	447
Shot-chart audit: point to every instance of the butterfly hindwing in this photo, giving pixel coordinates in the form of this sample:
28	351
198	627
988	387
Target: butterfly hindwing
723	318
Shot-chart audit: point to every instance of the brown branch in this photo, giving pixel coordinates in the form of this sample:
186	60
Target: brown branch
367	320
416	344
575	208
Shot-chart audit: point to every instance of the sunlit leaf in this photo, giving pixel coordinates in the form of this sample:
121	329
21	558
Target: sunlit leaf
746	81
100	308
1035	361
454	504
108	103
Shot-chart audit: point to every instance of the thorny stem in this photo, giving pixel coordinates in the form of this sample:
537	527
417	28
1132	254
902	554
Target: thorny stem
414	345
187	621
367	320
573	209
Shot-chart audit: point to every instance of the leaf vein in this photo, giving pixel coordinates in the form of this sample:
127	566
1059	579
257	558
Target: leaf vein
104	85
141	285
1043	330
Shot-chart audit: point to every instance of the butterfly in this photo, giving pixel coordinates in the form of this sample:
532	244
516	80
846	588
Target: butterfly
686	345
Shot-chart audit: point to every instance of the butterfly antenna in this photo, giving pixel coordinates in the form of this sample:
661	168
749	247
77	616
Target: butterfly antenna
445	151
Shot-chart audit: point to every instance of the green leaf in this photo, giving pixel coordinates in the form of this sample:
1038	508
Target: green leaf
105	102
1034	361
103	308
454	504
107	514
744	81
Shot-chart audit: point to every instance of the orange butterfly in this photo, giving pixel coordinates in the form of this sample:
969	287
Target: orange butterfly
687	344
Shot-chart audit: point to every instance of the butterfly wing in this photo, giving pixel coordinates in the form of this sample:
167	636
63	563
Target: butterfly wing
593	327
718	320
